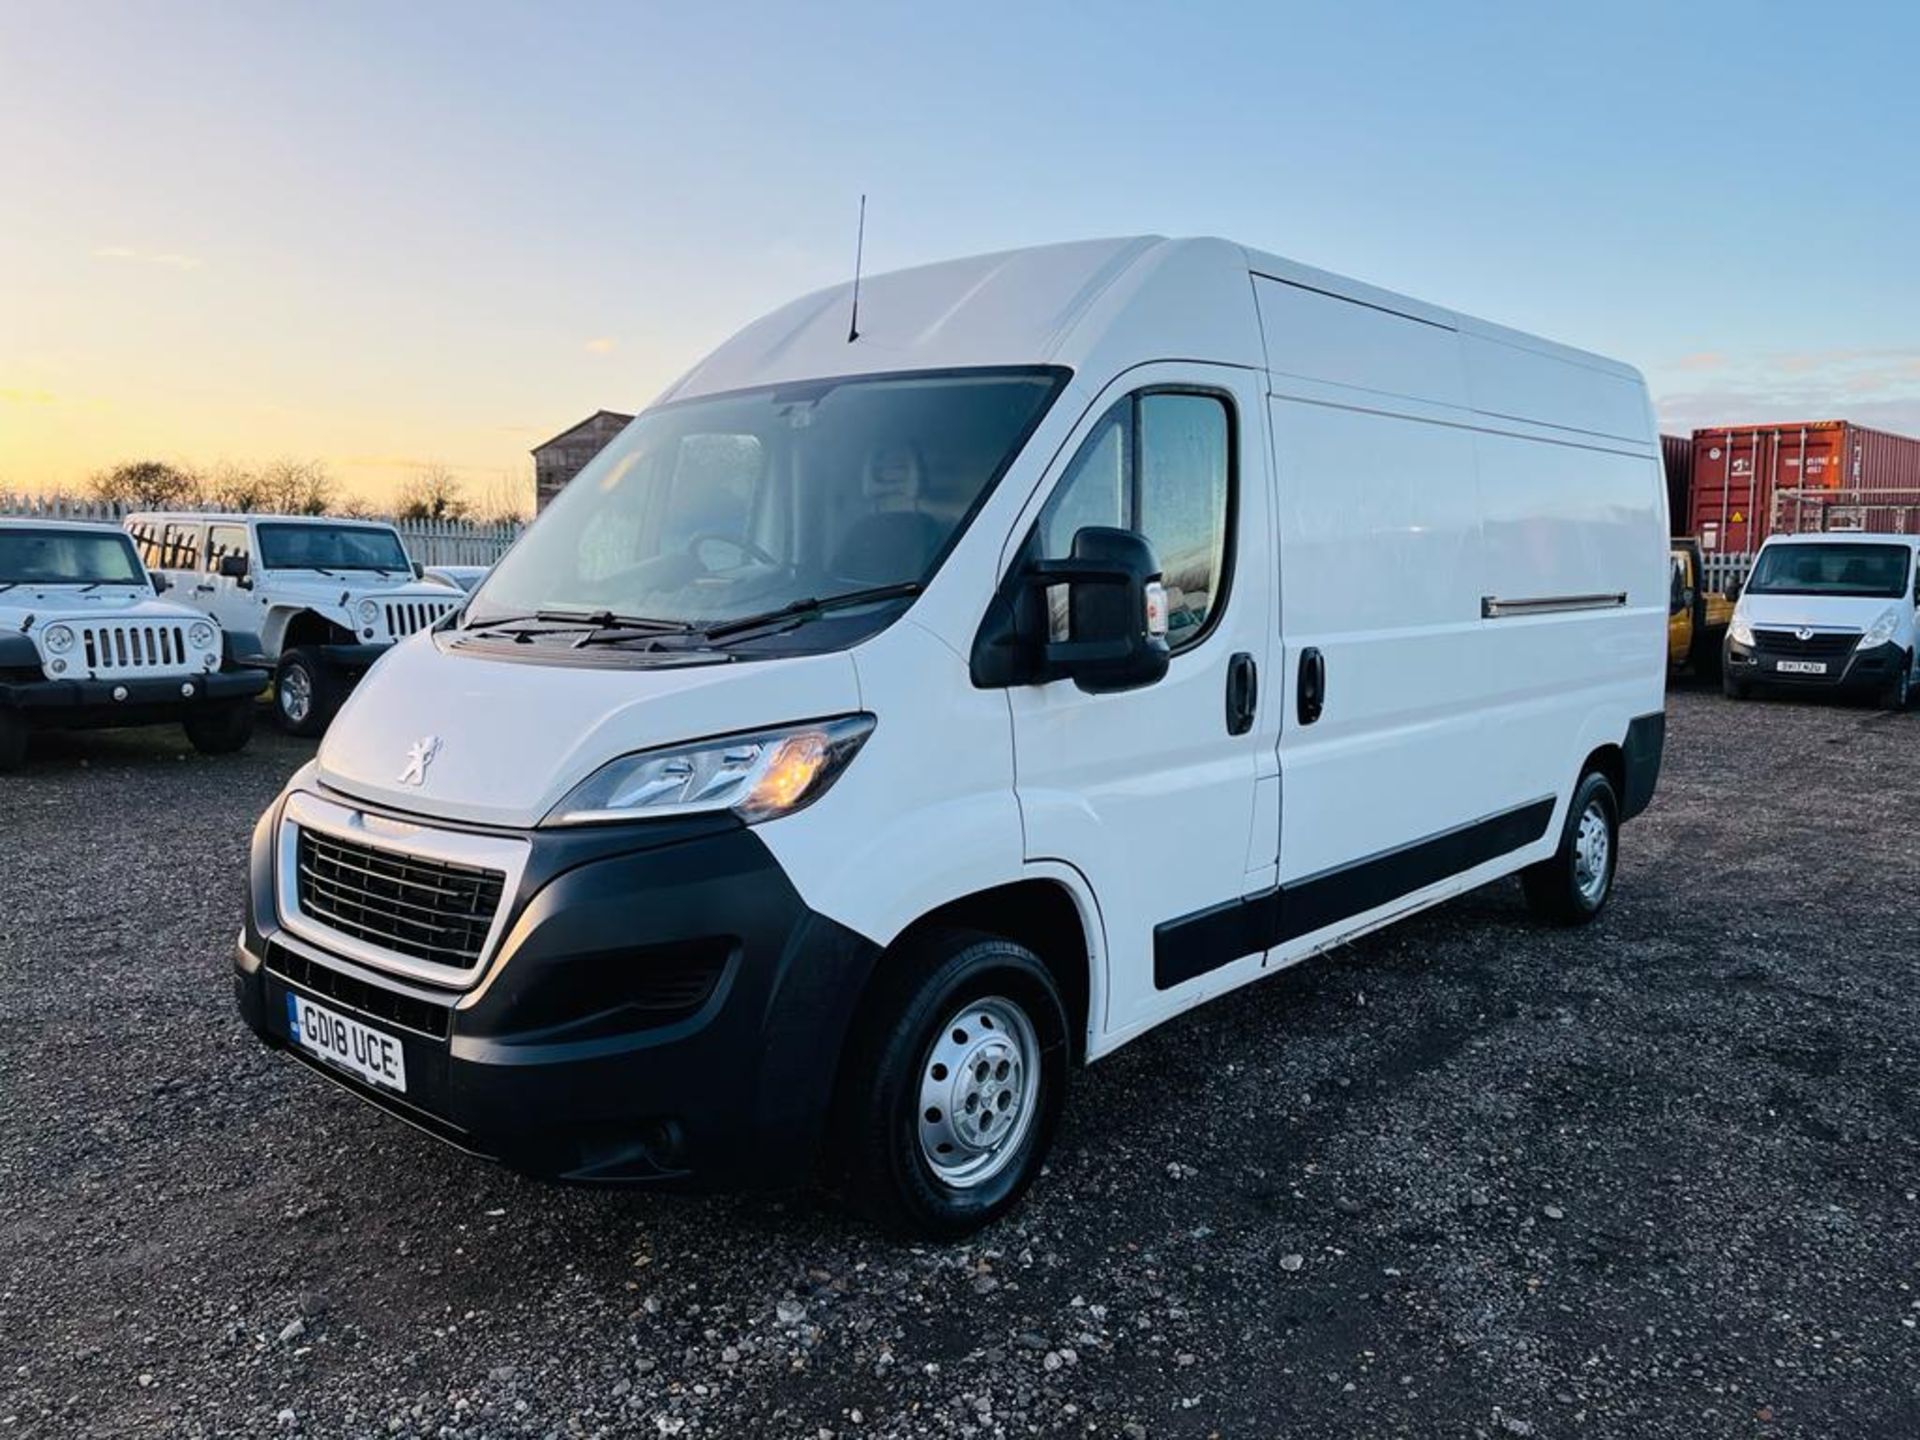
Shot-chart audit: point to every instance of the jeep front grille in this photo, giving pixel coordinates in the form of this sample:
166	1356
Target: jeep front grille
118	648
431	910
406	616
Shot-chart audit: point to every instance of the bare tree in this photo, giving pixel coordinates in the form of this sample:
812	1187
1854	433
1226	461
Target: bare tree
357	507
435	493
150	484
505	501
233	487
296	487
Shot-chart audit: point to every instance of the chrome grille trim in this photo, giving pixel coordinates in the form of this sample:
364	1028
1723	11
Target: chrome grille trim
405	617
110	649
394	895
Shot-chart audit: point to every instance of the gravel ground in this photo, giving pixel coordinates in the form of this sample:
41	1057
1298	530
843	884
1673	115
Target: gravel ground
1469	1177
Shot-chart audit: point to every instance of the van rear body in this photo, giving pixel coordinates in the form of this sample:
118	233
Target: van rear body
879	728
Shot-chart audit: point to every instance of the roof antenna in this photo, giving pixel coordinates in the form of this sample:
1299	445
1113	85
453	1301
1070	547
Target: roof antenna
859	247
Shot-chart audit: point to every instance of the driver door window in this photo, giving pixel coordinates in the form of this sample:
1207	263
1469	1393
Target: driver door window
1159	463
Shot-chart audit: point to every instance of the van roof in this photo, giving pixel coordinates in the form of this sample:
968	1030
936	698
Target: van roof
1068	304
1845	537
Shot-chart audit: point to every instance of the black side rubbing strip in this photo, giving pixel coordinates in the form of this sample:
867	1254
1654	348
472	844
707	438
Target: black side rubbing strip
1210	938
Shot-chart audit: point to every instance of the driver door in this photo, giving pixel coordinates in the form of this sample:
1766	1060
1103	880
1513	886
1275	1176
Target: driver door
1165	797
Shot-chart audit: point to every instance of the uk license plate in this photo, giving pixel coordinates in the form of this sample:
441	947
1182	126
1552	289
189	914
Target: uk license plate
1801	667
361	1050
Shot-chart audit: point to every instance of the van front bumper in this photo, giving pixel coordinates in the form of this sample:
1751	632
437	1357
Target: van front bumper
664	1009
1859	671
147	699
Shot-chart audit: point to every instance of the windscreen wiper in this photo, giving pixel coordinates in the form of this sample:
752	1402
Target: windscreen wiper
813	605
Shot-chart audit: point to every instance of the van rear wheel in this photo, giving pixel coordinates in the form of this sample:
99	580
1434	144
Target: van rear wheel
305	694
954	1084
1574	885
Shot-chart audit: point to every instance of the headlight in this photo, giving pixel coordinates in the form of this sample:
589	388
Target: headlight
201	636
1741	630
1882	629
369	612
758	776
57	638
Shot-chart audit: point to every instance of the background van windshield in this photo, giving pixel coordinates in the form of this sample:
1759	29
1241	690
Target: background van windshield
330	547
67	557
724	508
1847	569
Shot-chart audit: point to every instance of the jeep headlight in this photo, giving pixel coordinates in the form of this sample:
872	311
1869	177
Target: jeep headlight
1882	629
1740	629
201	636
758	776
369	612
57	638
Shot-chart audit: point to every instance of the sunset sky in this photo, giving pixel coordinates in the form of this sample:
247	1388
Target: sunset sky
388	235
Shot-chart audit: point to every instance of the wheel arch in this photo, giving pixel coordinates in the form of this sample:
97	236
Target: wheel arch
290	626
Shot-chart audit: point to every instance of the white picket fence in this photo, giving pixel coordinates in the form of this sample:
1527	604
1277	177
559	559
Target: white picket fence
431	542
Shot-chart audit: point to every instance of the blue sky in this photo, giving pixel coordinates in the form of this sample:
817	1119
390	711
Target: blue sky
393	235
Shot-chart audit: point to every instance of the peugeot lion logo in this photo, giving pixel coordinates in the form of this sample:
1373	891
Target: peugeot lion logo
1803	634
420	755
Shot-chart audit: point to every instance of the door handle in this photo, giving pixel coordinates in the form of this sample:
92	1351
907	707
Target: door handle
1312	698
1243	693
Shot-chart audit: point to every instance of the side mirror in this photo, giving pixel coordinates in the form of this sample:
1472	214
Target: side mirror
161	584
233	567
1116	612
419	571
1734	587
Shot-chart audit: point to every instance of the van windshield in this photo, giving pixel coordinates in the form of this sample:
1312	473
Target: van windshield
715	510
1877	571
67	557
330	547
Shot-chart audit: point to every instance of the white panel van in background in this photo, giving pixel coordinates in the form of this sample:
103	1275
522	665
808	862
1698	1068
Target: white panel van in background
912	706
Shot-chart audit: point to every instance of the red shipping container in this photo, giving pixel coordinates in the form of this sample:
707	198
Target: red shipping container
1752	481
1676	455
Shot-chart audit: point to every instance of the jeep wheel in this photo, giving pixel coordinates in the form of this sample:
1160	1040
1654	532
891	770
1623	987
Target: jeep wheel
221	730
13	740
955	1080
304	693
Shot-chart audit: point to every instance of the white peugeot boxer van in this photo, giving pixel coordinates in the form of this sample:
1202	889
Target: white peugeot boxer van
1828	613
912	706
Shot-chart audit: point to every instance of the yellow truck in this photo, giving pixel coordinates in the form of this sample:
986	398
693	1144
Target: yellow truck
1696	617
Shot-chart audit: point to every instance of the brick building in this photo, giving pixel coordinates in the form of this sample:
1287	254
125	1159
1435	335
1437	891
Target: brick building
566	454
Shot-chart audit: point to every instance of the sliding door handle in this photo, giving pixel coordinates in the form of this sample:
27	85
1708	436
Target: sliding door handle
1312	697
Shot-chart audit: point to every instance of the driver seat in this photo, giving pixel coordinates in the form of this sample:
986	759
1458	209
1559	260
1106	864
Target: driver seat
895	540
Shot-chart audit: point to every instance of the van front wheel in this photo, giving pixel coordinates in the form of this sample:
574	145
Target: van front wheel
1574	885
954	1084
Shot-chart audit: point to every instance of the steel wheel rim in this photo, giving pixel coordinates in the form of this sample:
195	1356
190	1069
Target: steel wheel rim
1592	852
979	1087
296	694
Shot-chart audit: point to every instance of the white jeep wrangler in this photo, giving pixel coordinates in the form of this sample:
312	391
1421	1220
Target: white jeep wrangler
317	598
86	643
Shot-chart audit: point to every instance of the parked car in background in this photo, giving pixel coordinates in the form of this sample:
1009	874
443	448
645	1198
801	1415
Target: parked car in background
455	577
1697	618
86	642
1827	613
317	599
882	726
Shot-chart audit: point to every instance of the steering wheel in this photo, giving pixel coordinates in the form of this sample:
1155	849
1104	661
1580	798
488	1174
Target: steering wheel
746	547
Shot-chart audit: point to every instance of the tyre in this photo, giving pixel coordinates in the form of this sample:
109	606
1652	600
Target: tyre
1899	695
1574	885
13	740
954	1082
1734	689
305	693
221	730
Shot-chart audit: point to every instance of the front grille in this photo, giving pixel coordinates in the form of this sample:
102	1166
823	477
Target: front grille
1820	642
406	616
374	1001
122	649
429	910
